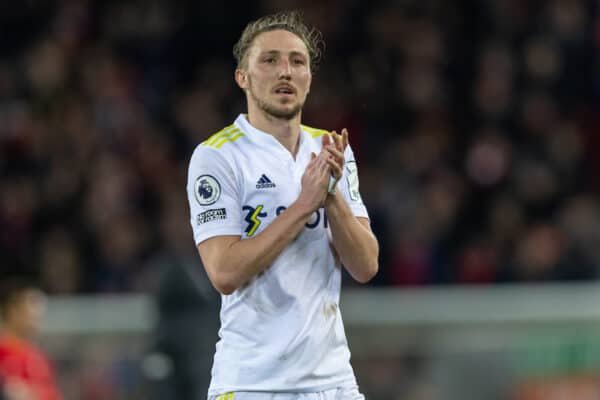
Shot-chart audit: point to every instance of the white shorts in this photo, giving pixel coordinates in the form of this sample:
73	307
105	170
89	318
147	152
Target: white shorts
341	393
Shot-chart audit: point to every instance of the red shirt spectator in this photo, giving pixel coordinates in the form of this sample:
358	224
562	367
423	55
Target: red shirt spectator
25	371
23	364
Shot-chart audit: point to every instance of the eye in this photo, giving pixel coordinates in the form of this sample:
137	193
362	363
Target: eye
299	61
269	60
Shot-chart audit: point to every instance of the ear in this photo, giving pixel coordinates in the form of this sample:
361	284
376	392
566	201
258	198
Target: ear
241	78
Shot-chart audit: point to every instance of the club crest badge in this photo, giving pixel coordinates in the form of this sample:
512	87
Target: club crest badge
207	190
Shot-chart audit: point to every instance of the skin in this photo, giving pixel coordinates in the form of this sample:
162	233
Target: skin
280	59
23	316
276	58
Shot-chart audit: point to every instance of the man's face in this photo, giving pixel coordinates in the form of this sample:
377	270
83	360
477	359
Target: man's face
277	76
26	312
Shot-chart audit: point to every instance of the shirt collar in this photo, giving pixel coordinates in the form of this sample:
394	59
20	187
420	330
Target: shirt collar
265	139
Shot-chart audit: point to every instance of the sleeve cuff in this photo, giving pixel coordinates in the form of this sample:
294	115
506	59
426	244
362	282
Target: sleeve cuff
359	210
200	237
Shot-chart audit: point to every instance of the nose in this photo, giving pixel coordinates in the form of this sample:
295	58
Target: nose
285	70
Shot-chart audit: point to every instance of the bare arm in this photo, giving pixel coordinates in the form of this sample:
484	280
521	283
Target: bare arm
230	262
352	236
353	239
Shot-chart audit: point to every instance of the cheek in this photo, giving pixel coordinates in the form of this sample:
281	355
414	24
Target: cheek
306	79
257	81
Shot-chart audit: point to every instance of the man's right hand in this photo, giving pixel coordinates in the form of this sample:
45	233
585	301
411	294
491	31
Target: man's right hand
231	262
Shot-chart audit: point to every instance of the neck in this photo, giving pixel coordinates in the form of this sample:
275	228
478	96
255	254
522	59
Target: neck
287	132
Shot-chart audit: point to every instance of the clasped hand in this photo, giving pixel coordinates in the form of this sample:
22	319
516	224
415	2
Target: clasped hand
328	163
334	146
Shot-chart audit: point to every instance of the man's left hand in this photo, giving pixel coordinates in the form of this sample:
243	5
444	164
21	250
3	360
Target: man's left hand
335	144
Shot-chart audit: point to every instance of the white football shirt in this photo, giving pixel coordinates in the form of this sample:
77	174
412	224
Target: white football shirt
283	330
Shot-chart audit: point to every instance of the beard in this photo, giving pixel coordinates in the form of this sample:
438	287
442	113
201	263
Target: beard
274	111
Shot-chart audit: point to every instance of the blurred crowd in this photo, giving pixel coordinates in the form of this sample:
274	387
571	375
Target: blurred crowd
474	125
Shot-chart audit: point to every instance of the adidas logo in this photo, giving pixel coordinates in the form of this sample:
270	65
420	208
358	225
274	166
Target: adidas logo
264	182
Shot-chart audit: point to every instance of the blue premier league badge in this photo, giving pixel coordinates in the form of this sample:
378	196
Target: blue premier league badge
207	190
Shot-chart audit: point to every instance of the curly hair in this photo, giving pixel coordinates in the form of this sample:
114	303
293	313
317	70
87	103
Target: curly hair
291	21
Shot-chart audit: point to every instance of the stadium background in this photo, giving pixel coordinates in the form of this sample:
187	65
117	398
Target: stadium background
474	124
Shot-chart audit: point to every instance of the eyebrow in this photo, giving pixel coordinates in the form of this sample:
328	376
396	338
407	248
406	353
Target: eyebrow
277	52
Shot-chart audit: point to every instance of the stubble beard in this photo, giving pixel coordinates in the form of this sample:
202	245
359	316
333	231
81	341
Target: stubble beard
274	111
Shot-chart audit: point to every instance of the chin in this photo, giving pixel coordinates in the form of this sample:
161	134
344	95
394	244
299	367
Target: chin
288	112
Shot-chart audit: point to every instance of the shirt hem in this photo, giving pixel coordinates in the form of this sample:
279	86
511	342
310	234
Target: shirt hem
317	388
359	211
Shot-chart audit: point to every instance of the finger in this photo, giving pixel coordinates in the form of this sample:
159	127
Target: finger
323	161
339	142
334	138
326	140
335	168
336	157
336	153
311	162
324	154
322	165
344	139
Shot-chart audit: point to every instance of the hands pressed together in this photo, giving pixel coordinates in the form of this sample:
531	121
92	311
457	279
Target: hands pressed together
324	170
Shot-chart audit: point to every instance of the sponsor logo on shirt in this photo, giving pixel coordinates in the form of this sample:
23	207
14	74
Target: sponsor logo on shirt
264	182
255	216
211	215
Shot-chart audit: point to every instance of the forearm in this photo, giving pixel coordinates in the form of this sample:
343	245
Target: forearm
247	258
354	242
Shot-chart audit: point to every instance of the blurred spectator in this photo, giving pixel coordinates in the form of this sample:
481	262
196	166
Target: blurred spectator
178	365
25	372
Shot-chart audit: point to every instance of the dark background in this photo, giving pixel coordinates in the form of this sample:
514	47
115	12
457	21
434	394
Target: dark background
474	124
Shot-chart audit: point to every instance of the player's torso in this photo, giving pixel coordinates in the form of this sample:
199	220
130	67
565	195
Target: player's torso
270	180
282	330
270	184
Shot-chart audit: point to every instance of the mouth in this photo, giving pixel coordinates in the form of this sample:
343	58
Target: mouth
284	90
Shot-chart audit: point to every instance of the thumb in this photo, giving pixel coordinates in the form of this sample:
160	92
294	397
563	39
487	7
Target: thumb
312	156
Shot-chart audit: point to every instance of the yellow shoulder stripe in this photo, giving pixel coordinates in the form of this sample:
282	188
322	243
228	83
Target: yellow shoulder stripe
236	135
314	132
227	128
226	396
227	134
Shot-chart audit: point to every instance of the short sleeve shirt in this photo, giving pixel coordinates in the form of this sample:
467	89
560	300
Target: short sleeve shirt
282	331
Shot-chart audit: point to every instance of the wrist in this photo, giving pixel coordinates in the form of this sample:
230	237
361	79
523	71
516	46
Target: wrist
332	199
302	208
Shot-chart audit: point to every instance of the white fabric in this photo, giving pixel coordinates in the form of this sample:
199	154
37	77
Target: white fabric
283	331
340	393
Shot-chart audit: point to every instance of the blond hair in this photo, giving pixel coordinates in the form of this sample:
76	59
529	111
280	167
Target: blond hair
291	21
